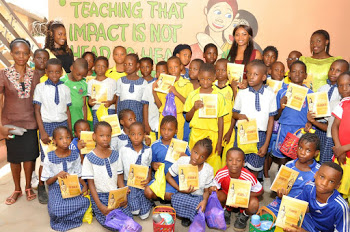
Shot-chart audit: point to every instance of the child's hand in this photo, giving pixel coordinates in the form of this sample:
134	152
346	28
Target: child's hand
307	127
81	144
294	229
342	159
148	140
234	84
283	102
107	103
173	90
281	192
243	84
311	116
155	84
144	183
227	137
155	165
338	151
198	104
242	117
92	102
45	137
202	205
218	149
189	190
84	191
213	189
124	204
182	154
147	128
262	151
62	174
104	210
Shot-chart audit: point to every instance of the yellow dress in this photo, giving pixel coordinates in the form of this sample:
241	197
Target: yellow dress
184	87
114	74
206	127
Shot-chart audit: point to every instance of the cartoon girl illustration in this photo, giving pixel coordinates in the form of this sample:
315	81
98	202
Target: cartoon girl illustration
64	189
242	134
232	193
311	104
131	179
111	202
219	15
182	179
289	94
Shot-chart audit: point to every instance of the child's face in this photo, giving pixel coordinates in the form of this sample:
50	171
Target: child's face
234	161
335	70
62	139
306	151
101	67
102	136
174	67
136	135
199	155
326	180
185	56
277	71
269	58
168	131
241	37
297	74
40	60
161	69
255	75
130	65
78	73
146	68
119	55
90	60
206	79
344	85
221	70
54	72
318	43
292	57
59	36
210	55
81	127
129	118
193	70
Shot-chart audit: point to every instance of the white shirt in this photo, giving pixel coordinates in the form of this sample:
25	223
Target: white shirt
245	104
44	95
335	95
206	175
332	106
127	156
153	112
123	89
109	84
119	141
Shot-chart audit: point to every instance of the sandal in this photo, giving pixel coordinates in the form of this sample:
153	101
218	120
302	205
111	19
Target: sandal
11	200
30	196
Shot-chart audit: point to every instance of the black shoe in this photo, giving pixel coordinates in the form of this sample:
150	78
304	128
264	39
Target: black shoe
227	215
42	194
241	222
185	222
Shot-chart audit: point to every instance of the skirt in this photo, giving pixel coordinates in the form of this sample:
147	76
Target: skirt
135	106
23	148
68	213
185	205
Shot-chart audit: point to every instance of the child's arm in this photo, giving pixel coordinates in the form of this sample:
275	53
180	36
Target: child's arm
171	181
177	94
238	116
111	102
148	179
85	108
84	191
155	165
294	229
203	204
61	174
220	132
91	102
145	119
155	95
263	150
1	105
43	135
120	181
197	104
227	136
311	119
104	209
69	119
338	149
283	103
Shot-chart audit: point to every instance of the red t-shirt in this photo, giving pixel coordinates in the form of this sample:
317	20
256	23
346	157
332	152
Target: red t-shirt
342	111
222	180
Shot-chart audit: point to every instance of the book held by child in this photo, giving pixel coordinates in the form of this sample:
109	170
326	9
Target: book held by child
292	212
238	193
86	136
117	197
319	104
247	131
99	93
274	85
235	72
48	147
165	81
188	176
176	147
285	179
113	120
70	186
296	96
209	110
137	174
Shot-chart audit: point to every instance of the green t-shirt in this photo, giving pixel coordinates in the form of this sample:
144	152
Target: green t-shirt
78	90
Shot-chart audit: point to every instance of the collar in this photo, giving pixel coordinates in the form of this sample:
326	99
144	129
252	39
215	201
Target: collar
53	158
330	198
49	82
312	166
329	83
151	81
93	158
139	81
261	90
144	147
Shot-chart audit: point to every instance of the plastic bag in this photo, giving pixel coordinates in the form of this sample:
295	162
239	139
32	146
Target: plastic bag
214	213
118	220
101	111
158	186
170	107
88	214
247	148
198	224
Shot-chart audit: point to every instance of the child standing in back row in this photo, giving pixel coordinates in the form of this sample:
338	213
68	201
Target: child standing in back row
194	71
184	52
130	88
118	71
41	56
210	53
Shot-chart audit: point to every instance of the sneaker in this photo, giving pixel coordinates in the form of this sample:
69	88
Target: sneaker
42	194
227	215
267	185
241	222
35	181
185	222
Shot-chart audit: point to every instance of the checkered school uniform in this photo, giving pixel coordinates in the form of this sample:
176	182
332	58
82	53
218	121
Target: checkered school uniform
102	171
120	141
130	95
68	213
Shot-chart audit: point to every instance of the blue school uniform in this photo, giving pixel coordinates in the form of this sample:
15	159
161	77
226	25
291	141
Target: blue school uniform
302	179
187	74
74	145
68	213
327	217
290	121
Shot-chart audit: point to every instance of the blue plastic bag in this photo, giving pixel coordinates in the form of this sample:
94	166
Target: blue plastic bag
118	220
170	107
214	213
198	224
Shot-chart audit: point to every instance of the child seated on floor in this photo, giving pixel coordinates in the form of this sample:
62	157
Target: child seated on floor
168	130
68	213
234	170
327	210
79	126
187	202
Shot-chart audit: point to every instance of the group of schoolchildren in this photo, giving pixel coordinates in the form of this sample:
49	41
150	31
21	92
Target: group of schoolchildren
63	104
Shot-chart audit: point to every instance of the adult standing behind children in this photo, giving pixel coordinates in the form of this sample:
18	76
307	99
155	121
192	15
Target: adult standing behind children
56	44
319	63
17	84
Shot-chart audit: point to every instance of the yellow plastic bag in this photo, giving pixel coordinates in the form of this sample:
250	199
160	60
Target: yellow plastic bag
158	186
101	111
247	148
215	161
88	214
344	187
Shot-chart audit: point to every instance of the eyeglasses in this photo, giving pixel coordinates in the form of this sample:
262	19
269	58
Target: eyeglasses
290	59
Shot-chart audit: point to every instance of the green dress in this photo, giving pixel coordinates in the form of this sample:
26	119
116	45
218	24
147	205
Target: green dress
78	90
317	70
